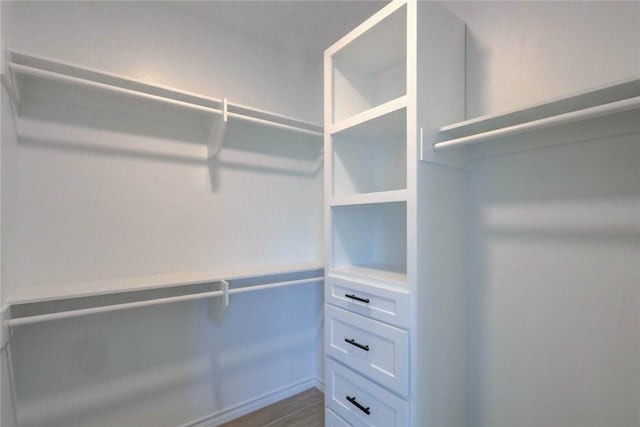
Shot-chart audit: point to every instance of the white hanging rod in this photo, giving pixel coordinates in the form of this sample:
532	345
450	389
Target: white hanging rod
27	320
275	124
51	75
273	285
256	112
560	119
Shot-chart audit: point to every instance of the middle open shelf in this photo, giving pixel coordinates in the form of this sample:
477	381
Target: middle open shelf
370	198
371	156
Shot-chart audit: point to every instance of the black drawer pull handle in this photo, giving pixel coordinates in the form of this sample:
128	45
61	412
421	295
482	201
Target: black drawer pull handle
365	300
355	403
357	344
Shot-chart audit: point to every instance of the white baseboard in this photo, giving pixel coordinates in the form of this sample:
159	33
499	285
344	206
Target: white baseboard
319	383
225	415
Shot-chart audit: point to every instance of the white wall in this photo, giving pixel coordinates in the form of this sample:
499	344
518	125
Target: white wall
553	234
159	44
524	52
73	215
124	38
555	303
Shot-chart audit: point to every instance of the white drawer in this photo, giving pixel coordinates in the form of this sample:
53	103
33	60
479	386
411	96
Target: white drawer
332	420
361	402
372	348
380	303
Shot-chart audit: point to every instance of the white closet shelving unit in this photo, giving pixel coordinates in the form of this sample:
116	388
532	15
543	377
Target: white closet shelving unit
394	191
171	113
390	315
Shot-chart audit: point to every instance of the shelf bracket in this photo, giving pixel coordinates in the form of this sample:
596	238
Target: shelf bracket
15	87
218	129
218	306
10	84
5	332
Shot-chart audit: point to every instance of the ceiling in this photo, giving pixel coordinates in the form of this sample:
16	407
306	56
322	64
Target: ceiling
303	28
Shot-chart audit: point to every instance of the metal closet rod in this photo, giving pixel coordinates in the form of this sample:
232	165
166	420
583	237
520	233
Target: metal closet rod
27	320
560	119
52	75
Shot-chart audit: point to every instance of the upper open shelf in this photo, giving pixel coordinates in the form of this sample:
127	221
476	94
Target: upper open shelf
609	105
370	155
65	93
369	65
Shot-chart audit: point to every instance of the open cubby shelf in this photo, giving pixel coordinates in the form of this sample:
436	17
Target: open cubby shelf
371	156
371	240
371	69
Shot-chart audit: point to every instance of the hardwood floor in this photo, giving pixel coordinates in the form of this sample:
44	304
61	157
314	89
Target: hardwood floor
302	410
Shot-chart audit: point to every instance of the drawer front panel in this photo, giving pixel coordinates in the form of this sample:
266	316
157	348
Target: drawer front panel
376	302
332	420
372	348
361	402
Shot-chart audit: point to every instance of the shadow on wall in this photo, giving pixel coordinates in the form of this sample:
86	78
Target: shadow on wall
252	147
109	124
554	302
476	95
162	366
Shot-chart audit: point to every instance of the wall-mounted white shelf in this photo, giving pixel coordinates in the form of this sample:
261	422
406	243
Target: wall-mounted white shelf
601	103
195	118
45	303
47	293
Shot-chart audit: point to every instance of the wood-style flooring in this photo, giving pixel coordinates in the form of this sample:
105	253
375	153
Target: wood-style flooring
302	410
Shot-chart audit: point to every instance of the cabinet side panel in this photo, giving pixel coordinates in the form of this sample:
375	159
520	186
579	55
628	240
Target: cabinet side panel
441	78
439	369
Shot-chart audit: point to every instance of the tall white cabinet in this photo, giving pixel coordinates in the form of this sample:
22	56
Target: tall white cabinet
394	294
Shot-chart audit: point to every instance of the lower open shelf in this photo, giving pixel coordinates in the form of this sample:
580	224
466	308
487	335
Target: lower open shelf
54	292
370	241
379	272
43	304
